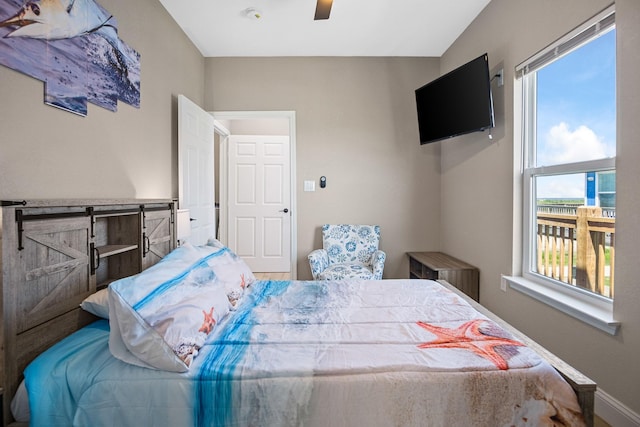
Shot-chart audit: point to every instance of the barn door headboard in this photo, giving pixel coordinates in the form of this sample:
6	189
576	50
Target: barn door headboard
55	253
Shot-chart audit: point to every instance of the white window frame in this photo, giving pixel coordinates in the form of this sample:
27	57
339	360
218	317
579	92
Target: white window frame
591	308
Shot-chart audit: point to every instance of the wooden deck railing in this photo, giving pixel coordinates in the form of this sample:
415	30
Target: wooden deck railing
578	249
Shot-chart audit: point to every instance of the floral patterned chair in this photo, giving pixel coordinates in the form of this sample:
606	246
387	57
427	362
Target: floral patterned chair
349	251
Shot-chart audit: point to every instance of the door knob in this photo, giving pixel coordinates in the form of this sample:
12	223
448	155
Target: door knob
285	210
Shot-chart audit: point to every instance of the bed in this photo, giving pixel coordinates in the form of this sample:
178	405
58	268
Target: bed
288	353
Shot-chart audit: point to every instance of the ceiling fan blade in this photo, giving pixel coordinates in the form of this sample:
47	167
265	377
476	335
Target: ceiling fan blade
323	9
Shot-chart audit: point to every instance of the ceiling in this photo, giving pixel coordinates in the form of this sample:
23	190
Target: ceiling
424	28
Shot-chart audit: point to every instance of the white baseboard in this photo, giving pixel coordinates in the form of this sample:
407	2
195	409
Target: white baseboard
614	412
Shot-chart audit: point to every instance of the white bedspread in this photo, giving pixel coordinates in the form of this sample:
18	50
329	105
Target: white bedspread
375	353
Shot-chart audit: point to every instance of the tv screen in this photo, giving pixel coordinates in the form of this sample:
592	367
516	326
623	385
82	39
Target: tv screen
456	103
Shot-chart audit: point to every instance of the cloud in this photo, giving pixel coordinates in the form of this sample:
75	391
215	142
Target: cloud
563	145
560	187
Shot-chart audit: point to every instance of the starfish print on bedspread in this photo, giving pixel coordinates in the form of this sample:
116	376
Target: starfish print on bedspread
468	336
209	322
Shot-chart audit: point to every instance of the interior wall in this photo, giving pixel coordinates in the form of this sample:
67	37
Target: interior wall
259	127
478	204
356	125
49	153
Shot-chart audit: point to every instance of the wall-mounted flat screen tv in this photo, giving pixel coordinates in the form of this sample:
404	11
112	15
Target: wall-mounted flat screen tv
456	103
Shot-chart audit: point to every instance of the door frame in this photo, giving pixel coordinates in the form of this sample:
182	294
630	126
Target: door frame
224	182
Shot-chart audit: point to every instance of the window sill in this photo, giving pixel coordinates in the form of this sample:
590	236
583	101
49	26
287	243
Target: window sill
594	313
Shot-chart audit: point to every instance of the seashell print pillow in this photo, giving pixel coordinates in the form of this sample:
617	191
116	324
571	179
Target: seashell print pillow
161	317
230	269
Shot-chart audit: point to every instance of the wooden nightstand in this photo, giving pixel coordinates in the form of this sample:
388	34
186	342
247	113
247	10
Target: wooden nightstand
440	266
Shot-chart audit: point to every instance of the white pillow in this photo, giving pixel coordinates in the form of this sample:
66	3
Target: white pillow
97	304
20	405
161	317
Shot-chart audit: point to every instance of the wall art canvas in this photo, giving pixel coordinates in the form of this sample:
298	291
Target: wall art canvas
74	48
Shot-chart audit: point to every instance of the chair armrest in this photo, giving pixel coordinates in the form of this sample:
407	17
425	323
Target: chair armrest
318	261
377	262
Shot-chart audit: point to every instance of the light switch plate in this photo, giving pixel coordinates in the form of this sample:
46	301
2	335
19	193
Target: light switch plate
309	186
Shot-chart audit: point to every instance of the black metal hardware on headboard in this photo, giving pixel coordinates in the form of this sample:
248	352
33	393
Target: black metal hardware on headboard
21	217
146	245
113	211
144	218
144	208
12	203
89	211
95	258
93	221
144	231
20	229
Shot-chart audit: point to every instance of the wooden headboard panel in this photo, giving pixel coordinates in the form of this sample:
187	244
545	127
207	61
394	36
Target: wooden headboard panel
55	253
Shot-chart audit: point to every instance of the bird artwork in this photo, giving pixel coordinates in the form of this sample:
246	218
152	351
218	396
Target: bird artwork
73	46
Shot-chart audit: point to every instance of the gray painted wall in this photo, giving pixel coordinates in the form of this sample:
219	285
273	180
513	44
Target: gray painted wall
356	125
50	153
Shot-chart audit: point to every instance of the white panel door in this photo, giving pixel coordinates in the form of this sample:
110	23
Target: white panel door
196	169
259	196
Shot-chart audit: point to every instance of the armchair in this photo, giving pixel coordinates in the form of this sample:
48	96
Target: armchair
348	251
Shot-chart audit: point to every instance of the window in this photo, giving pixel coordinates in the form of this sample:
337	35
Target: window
569	149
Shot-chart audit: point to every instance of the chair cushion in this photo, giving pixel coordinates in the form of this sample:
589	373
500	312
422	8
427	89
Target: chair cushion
350	243
346	271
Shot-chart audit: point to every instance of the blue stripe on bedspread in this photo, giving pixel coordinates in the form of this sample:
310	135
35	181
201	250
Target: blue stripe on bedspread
164	287
215	378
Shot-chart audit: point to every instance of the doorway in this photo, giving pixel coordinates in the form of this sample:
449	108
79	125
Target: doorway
249	127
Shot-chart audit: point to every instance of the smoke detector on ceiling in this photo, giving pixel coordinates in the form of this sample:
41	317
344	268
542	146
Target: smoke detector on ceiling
252	13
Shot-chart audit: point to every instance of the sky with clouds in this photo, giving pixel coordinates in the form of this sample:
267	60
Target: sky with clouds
576	116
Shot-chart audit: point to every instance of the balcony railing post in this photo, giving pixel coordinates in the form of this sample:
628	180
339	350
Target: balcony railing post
612	263
586	261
